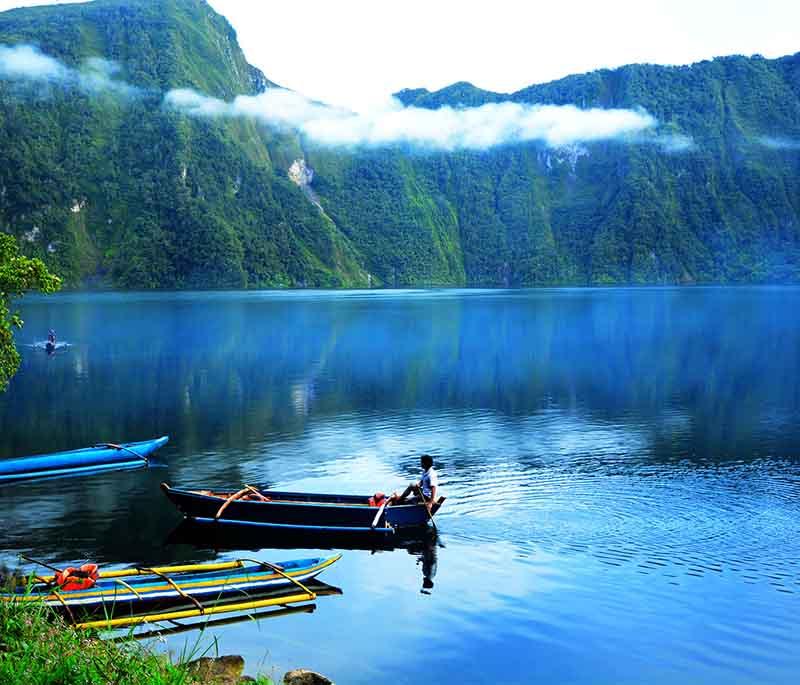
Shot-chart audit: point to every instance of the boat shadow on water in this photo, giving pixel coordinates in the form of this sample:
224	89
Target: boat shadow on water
203	623
224	537
177	627
422	542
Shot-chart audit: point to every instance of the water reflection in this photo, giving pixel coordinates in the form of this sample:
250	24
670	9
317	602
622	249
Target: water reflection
422	543
427	551
620	462
601	355
225	536
211	624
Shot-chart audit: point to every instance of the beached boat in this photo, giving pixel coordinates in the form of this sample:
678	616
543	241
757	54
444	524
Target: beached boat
269	508
131	596
102	457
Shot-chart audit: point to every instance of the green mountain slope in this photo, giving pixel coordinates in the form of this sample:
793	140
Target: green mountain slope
113	188
119	190
725	210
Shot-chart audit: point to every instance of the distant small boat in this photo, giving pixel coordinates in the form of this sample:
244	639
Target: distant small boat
102	457
49	346
296	510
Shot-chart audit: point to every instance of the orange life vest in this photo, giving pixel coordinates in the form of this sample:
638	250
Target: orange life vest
377	499
82	578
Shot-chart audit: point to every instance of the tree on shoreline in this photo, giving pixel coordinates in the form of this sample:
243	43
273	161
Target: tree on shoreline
18	275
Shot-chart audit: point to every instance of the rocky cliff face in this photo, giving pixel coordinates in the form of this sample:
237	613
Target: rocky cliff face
301	175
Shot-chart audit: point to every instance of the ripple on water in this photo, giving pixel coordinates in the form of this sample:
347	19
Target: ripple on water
736	517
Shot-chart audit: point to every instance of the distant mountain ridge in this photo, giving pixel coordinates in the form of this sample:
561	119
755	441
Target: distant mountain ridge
123	192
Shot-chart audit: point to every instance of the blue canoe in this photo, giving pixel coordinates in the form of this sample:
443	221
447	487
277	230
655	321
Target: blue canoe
103	457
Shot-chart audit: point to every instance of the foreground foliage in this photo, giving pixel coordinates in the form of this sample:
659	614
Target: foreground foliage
18	275
38	648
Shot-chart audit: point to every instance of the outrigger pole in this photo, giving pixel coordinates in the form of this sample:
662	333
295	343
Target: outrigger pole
193	613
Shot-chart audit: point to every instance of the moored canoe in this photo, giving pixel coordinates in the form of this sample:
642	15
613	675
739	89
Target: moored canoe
102	457
295	510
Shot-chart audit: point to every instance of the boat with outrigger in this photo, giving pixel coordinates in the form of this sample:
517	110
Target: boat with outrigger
252	506
92	598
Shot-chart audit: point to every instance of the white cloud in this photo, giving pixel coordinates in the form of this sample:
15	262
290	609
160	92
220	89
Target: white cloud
195	104
778	143
673	142
446	128
98	75
27	63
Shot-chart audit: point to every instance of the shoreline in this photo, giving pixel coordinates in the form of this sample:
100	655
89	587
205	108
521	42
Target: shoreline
38	646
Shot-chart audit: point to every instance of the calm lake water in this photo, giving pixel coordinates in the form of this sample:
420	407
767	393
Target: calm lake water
622	468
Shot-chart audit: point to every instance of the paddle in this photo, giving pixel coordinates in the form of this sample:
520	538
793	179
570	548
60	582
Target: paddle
40	563
380	512
75	571
425	504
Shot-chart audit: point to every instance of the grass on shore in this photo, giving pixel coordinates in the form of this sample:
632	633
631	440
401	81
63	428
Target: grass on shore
37	647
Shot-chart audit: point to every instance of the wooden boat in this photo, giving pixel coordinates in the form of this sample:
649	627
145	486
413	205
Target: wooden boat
294	510
124	597
102	457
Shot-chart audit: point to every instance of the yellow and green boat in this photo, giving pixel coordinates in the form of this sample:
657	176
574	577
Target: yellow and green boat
138	595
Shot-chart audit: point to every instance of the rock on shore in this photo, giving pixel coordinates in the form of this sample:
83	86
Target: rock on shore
227	670
301	676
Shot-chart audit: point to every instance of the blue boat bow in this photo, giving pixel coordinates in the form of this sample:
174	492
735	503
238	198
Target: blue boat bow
103	457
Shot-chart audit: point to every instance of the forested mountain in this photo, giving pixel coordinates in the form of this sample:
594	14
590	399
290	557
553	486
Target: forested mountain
111	187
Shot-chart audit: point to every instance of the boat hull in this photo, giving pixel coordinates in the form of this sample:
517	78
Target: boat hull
147	593
129	455
302	511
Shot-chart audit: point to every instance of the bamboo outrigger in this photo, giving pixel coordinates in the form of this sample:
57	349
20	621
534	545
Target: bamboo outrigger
128	621
174	592
319	588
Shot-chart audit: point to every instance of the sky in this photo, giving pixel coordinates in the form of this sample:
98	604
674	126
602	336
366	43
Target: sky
355	53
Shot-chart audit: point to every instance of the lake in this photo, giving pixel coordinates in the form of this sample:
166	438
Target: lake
622	468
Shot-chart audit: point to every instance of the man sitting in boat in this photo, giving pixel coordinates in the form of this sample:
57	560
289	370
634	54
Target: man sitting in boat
428	485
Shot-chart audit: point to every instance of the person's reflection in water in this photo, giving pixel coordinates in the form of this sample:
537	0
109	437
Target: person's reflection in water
428	553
